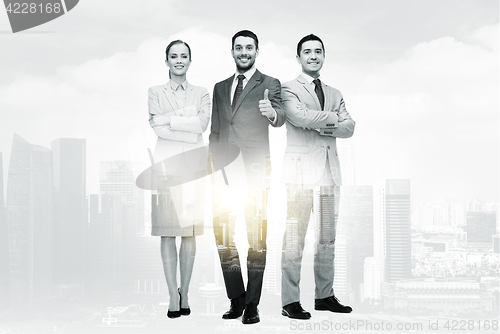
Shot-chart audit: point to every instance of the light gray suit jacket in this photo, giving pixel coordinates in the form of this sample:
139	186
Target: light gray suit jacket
312	132
186	124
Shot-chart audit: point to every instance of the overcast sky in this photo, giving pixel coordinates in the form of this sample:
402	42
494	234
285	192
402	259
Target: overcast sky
420	78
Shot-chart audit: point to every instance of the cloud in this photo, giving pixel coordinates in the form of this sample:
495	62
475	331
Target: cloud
434	114
102	100
431	115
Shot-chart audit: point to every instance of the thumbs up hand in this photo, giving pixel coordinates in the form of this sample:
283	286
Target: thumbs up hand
265	106
266	94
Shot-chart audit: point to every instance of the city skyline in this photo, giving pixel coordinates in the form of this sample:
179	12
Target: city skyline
420	78
121	264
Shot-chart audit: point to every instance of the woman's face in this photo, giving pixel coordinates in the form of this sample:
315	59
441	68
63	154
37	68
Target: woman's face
178	59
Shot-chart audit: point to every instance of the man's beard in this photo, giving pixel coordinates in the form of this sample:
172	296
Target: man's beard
246	67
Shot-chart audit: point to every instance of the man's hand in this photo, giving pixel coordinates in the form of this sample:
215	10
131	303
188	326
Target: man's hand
265	106
301	106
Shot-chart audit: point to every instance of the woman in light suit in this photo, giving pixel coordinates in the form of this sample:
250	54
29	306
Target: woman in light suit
178	114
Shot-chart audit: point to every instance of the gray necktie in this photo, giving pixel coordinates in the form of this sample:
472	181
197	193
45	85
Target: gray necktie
239	89
319	92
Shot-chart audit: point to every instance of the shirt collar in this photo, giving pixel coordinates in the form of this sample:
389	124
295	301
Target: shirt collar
248	74
175	85
308	78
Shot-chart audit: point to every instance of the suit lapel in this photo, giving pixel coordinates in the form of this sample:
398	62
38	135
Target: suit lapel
327	97
189	95
170	97
310	90
226	95
254	81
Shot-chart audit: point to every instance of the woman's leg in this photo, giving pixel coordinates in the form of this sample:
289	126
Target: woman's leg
186	262
169	258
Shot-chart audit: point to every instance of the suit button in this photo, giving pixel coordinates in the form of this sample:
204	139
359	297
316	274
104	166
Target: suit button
232	123
328	147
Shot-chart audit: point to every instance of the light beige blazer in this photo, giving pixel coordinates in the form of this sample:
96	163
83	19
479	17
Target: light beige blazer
312	132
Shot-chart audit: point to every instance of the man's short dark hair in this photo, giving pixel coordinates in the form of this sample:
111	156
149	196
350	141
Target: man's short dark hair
310	37
245	33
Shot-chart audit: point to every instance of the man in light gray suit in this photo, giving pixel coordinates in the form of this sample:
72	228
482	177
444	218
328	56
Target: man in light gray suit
315	117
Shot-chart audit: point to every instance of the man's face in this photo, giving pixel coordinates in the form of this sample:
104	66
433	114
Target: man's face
311	58
244	53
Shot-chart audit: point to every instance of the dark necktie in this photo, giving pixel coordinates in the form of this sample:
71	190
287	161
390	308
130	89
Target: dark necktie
239	89
319	92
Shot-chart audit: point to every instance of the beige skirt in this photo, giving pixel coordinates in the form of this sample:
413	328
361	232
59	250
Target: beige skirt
179	210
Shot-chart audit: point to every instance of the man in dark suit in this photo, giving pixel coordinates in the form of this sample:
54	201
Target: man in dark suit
315	117
244	105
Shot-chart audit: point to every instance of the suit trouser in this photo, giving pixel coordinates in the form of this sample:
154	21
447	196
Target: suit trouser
299	206
256	221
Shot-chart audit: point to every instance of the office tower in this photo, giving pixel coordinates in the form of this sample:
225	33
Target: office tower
342	285
272	281
104	275
373	277
70	214
150	285
398	230
474	204
325	213
379	224
117	179
481	226
347	157
356	216
456	213
422	214
325	202
4	249
29	210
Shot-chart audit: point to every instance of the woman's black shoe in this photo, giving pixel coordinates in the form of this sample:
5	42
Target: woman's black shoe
184	311
173	314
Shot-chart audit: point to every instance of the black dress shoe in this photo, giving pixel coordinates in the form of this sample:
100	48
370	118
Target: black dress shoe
173	314
236	309
295	311
331	304
184	311
251	315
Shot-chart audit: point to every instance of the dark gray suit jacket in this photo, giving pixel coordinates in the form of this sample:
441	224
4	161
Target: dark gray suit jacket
246	127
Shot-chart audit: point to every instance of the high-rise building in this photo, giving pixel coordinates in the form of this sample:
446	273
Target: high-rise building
342	285
104	275
398	230
150	281
373	277
117	179
4	249
379	225
356	216
347	157
456	213
474	204
70	214
481	226
29	210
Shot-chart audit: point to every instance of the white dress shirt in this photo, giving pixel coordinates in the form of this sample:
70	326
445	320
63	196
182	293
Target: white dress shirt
248	74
